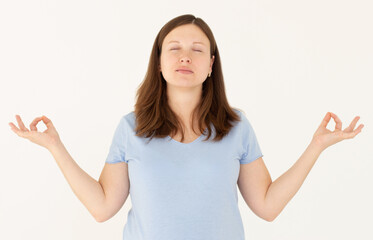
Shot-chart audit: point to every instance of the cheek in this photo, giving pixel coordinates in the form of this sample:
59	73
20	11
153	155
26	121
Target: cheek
167	61
203	65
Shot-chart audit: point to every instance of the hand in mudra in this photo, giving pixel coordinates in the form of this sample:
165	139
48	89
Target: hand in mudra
324	138
45	139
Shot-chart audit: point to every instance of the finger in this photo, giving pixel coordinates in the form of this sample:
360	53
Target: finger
355	132
13	127
47	122
34	123
338	122
326	120
19	132
352	124
20	123
358	129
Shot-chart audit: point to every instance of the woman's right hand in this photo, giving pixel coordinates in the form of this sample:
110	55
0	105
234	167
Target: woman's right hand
46	139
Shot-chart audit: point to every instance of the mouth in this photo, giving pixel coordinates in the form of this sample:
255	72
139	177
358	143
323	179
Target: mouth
184	71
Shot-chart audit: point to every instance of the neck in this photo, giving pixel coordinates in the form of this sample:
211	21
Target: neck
183	101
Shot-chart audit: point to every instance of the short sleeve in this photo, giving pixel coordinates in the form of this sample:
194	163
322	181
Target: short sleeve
117	151
251	146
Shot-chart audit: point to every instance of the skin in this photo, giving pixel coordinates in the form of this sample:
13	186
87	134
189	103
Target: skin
323	137
184	91
264	197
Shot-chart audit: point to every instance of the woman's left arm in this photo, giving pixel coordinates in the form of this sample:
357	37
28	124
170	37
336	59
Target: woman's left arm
282	190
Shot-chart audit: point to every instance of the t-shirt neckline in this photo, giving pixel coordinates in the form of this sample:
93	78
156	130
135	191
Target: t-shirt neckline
190	143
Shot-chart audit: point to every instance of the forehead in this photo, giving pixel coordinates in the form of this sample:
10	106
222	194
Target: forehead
187	33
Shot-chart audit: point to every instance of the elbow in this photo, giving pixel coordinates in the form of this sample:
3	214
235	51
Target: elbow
100	219
103	216
270	214
270	218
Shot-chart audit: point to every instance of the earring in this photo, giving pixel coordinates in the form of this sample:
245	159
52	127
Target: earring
209	74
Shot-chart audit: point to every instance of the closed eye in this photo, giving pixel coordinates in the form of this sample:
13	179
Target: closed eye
178	48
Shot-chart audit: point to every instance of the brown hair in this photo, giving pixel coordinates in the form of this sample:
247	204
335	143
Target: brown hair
154	117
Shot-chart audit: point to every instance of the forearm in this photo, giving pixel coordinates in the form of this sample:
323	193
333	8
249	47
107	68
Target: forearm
88	190
282	190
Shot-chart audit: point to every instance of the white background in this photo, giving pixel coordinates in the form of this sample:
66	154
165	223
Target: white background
285	63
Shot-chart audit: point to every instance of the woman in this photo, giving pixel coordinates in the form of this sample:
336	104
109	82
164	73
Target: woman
183	187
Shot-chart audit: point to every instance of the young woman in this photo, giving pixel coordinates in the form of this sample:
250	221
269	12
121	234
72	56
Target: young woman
183	150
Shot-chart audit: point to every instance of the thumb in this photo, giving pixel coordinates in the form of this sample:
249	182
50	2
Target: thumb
47	122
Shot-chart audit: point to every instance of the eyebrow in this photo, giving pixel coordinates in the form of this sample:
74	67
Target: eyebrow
193	42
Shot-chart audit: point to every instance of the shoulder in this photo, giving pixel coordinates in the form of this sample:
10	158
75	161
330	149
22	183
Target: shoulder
242	115
126	121
128	118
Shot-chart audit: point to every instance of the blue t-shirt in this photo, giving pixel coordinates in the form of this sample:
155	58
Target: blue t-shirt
184	190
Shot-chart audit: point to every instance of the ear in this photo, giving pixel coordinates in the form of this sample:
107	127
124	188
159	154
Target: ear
212	62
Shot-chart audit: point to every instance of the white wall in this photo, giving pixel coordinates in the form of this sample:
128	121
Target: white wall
285	63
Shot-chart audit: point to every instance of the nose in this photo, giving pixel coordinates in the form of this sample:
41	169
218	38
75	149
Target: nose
185	59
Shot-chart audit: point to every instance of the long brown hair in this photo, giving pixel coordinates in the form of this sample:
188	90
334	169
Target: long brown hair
154	117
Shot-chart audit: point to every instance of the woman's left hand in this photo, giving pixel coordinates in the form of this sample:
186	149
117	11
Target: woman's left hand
324	138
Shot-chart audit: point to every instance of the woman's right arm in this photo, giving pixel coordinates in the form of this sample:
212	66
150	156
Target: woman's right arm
87	189
103	198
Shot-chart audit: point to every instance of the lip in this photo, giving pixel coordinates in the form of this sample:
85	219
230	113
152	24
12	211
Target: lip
184	70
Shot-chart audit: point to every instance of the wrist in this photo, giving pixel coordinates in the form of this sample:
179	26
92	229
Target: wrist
55	146
316	146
